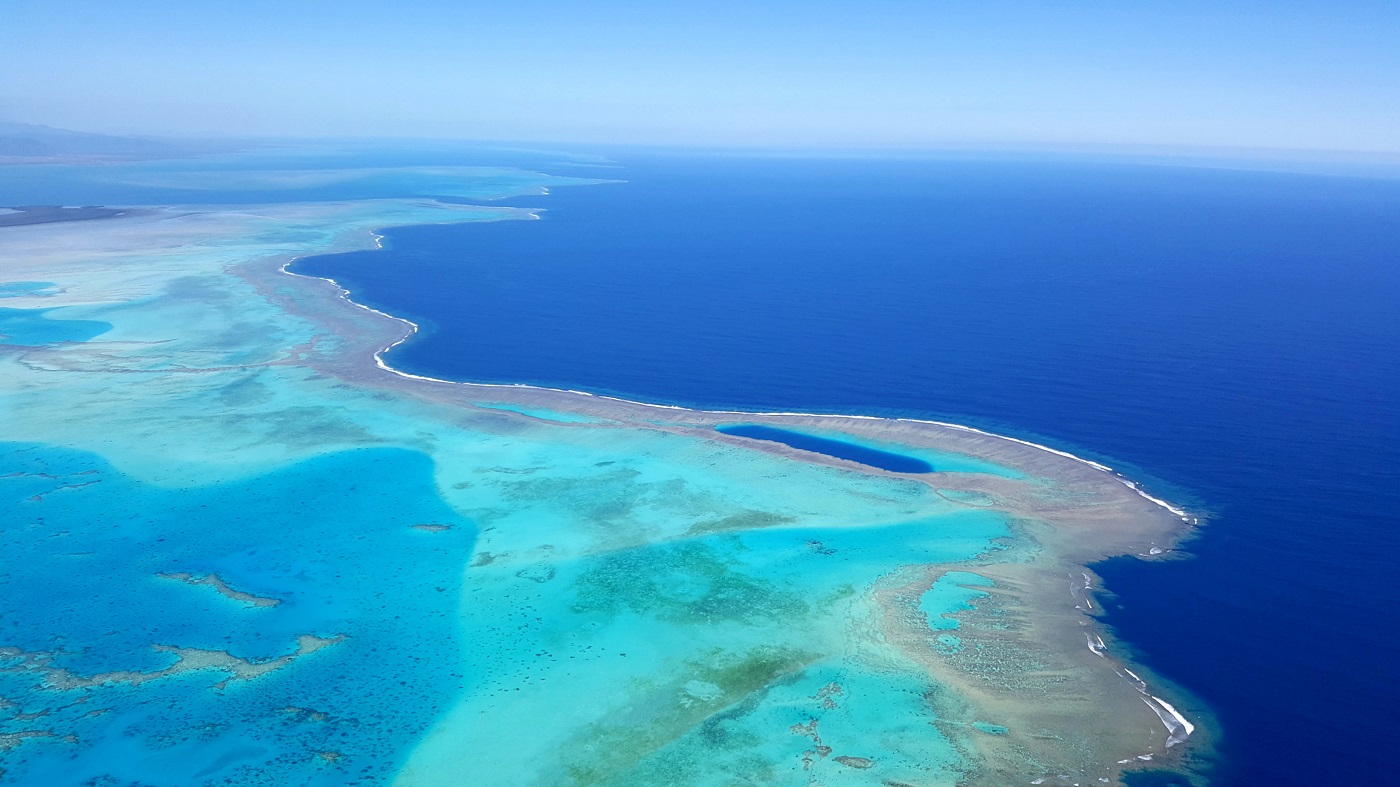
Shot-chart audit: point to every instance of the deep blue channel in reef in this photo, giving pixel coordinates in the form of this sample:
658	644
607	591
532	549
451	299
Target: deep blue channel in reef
1233	334
841	449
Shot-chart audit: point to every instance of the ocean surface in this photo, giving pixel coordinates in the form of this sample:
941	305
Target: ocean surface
1232	338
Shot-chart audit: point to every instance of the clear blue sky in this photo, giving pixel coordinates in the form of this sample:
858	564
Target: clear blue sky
878	73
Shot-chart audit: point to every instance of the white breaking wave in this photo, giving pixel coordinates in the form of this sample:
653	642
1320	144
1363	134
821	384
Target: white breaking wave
1096	645
1178	728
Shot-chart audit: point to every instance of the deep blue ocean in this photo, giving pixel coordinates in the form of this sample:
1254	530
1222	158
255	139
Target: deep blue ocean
1230	337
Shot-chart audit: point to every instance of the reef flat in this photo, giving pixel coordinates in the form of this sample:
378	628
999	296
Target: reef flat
241	549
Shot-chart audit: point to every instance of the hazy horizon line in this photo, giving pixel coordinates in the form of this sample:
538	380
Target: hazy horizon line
1322	160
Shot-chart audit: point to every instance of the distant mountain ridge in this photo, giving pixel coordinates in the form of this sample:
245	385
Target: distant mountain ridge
29	140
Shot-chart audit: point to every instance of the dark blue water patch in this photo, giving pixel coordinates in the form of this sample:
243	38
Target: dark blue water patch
1151	778
1232	333
33	328
840	449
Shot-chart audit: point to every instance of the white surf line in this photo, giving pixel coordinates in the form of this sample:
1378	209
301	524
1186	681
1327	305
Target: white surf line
1178	727
1079	592
1096	645
1096	465
1186	726
413	329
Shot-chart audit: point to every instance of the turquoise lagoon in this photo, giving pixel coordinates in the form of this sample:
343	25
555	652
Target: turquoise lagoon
238	552
15	289
32	327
